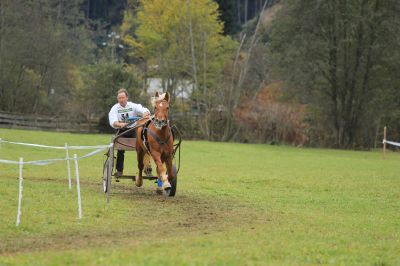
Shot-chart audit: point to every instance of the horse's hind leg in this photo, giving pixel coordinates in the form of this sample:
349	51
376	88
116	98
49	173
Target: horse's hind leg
147	164
140	156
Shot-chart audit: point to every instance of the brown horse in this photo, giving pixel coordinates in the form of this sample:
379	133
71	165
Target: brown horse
160	144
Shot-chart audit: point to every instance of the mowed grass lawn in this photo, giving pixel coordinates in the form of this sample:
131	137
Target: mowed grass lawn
236	204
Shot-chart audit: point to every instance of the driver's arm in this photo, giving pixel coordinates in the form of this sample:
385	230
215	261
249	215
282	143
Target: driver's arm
117	124
113	119
140	110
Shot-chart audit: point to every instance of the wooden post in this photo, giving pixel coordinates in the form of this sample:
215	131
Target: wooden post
384	143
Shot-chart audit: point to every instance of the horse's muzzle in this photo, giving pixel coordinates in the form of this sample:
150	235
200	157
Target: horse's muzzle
160	123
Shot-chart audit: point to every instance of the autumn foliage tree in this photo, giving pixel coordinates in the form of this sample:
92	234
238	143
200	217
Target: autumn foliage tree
269	119
182	40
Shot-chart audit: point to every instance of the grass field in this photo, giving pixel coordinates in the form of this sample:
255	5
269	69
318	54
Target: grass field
236	204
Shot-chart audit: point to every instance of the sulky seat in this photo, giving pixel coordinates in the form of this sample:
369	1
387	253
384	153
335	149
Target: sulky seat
125	144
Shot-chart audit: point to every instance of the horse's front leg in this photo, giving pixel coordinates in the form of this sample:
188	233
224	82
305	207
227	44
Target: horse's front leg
161	174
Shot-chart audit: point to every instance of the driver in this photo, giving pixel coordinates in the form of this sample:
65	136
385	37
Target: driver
118	118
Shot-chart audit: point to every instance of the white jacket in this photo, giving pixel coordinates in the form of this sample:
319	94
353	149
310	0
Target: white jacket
121	114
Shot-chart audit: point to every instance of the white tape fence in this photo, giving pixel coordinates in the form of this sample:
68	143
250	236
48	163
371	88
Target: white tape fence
97	149
387	142
397	144
55	147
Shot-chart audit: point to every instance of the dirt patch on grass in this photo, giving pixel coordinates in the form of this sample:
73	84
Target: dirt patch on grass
161	218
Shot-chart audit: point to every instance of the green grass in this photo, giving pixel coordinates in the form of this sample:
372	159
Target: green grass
236	204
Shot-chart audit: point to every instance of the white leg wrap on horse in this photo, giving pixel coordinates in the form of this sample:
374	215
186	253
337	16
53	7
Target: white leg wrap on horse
166	183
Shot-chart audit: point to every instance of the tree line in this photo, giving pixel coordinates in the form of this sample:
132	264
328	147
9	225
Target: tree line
340	58
318	73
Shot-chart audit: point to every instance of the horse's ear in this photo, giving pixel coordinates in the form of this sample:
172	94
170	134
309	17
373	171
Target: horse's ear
167	96
156	95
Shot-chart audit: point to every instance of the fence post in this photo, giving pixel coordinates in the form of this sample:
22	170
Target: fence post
78	187
384	142
21	160
68	167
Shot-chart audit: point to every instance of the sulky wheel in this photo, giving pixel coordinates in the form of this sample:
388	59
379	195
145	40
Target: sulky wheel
107	172
105	176
171	191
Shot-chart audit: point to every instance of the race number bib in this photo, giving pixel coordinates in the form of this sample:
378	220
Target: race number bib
123	114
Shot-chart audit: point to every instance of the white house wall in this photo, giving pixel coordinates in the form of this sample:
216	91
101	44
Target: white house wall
184	88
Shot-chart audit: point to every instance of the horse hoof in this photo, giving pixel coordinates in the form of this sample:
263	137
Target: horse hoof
166	185
167	191
138	183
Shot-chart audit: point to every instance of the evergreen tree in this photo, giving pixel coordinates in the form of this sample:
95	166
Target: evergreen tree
229	15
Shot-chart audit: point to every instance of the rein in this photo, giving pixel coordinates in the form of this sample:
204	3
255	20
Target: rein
131	128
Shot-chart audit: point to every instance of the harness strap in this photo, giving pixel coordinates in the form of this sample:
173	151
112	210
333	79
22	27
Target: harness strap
144	136
156	138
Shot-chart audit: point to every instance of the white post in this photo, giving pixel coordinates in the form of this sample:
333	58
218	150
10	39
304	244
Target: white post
78	188
384	142
20	191
68	167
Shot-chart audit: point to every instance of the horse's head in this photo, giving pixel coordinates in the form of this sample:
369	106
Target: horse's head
161	110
